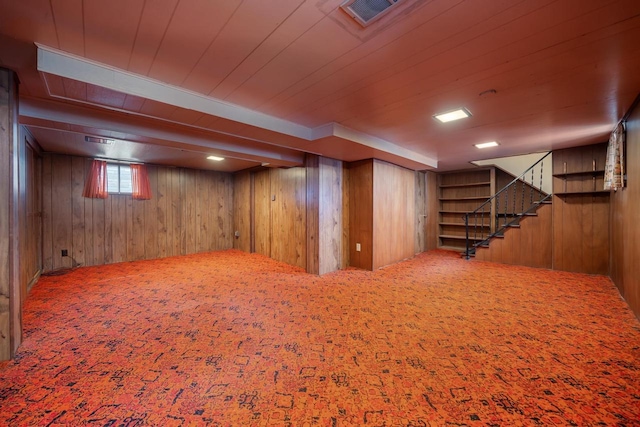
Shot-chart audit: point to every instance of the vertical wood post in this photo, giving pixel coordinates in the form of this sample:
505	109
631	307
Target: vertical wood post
10	299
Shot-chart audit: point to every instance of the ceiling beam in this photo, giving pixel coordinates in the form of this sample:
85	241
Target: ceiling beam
57	115
62	64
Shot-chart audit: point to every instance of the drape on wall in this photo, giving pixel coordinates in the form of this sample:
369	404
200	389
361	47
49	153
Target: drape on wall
614	166
95	185
140	182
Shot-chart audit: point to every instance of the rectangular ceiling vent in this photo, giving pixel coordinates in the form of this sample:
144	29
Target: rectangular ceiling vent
98	140
368	11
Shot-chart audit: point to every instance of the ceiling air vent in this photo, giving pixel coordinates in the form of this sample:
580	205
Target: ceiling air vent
98	140
368	11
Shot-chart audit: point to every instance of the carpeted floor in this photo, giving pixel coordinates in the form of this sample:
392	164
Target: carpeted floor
234	339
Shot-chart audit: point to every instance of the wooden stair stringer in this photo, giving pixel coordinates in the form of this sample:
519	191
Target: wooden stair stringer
528	245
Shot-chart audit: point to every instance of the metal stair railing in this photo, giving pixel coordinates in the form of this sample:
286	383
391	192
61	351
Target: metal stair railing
500	211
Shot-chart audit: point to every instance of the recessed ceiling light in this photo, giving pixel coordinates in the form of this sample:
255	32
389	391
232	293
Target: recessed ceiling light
487	144
460	113
216	158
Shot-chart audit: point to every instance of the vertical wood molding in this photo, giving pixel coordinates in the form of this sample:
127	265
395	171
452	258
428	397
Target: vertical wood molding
30	212
312	166
262	212
242	208
431	195
421	212
190	211
345	261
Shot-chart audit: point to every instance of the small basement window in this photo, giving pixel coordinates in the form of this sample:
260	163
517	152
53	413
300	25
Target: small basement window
119	179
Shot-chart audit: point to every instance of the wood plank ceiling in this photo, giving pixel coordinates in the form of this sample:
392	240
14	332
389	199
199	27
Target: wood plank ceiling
303	76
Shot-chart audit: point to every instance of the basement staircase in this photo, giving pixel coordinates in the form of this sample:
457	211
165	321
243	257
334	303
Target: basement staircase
522	197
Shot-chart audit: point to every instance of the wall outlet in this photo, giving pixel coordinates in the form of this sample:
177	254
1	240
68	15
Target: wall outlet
65	252
358	247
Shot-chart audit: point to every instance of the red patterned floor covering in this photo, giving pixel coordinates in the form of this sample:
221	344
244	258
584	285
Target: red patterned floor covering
233	339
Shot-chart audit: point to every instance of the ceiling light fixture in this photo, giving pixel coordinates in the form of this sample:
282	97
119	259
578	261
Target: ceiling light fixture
460	113
487	144
216	158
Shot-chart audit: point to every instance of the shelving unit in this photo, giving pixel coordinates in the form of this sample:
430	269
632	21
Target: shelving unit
580	210
581	182
459	193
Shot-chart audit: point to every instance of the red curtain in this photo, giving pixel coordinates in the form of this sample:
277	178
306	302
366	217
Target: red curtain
140	182
95	186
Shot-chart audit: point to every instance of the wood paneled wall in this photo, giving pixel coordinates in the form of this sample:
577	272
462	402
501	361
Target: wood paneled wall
431	186
382	214
324	214
529	245
289	216
580	221
191	211
261	212
271	214
394	213
421	212
312	166
625	222
296	214
30	211
361	214
242	211
346	260
11	297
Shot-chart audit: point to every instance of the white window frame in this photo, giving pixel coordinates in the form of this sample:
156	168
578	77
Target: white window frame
119	190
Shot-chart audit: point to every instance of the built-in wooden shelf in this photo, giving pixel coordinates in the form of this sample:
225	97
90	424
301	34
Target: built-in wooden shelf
461	224
583	193
581	244
451	236
579	173
453	211
456	199
460	193
469	184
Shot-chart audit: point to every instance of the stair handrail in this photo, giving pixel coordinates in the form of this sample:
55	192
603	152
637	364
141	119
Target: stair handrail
482	206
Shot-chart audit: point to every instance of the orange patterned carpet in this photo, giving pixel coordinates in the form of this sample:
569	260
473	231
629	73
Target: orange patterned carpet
234	339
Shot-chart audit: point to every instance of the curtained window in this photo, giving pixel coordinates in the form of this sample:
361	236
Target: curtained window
614	165
140	182
95	186
105	178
